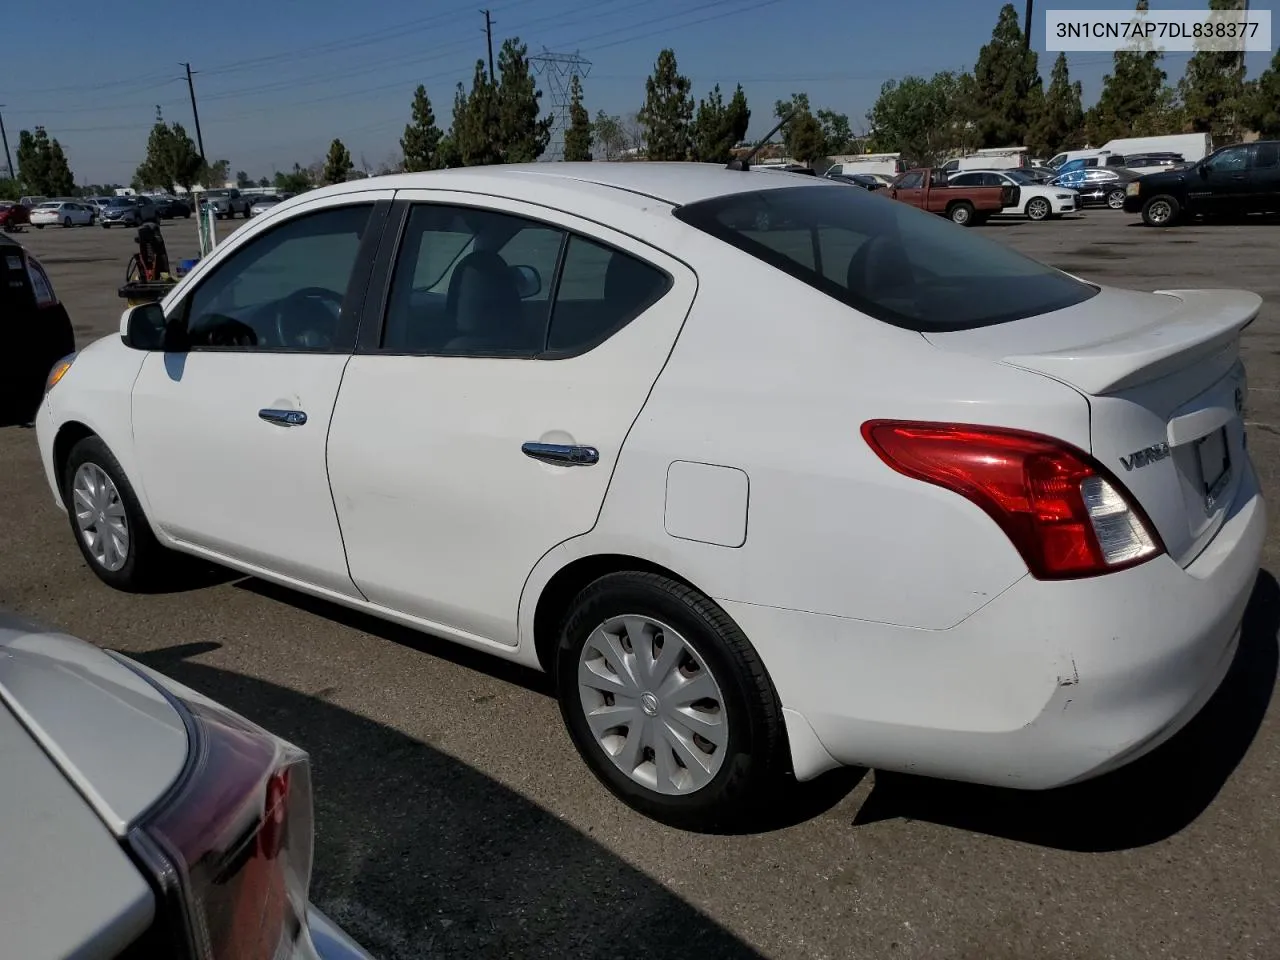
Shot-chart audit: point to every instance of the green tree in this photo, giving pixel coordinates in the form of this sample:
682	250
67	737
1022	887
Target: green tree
577	139
667	113
924	120
421	140
264	182
1135	100
809	138
243	179
1006	76
337	165
836	131
171	160
296	181
1262	103
523	137
1212	89
62	182
36	165
10	189
719	127
1059	125
475	136
608	133
214	175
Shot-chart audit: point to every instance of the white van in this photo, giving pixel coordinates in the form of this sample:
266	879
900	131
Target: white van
992	158
886	163
1193	146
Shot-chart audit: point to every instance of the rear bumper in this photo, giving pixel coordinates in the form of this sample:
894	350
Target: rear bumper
1047	684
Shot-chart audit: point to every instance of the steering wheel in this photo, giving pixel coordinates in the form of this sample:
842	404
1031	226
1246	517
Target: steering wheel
308	318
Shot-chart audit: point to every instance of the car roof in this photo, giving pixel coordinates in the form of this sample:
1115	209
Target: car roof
674	183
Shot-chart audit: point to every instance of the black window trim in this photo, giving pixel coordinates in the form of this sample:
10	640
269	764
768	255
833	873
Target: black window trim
373	319
353	297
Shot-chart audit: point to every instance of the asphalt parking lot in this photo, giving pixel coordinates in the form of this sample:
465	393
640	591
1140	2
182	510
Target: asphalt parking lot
455	819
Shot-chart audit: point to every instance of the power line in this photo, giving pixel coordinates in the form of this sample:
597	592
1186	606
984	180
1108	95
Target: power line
559	71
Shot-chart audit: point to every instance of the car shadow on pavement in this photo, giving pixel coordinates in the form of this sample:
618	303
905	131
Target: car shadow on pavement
1142	803
419	855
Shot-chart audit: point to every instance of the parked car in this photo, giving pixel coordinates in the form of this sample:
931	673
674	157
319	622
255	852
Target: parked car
36	332
169	208
65	213
32	202
98	203
263	204
226	204
1231	182
145	820
1035	201
1098	185
127	212
964	205
863	180
13	216
771	475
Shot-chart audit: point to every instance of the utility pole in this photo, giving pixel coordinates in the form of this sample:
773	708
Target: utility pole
488	32
191	88
1026	32
8	160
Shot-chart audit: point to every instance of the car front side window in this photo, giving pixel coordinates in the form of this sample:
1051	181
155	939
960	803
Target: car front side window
283	290
1231	160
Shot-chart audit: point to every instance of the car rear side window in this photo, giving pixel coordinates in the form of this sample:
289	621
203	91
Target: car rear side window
886	259
600	291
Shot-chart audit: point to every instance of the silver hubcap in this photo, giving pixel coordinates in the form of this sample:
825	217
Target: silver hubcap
1038	209
1158	212
960	214
100	516
1115	200
652	704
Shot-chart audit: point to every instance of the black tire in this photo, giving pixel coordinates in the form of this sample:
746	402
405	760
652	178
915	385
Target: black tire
147	562
961	213
106	226
66	222
38	226
1038	208
756	745
1160	211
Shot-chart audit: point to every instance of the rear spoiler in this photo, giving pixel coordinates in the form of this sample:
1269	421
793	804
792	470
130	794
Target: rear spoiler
1207	321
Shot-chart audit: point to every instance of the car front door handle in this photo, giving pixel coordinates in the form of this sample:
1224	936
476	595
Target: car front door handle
562	454
283	418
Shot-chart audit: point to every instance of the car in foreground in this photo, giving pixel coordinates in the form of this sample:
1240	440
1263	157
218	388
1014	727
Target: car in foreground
263	204
36	332
62	213
770	474
1098	186
1035	201
13	216
1231	182
145	820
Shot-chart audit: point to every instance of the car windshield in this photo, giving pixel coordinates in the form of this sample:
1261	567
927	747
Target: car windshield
49	205
120	202
885	258
1017	176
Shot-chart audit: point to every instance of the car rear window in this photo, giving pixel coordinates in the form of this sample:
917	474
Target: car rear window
885	258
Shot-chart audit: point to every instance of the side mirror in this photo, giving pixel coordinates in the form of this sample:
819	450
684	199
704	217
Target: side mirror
145	327
528	281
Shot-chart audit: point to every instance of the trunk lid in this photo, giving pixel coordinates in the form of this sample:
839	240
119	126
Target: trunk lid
1166	390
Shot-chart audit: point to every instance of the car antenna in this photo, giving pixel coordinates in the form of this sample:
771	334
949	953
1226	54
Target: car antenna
744	163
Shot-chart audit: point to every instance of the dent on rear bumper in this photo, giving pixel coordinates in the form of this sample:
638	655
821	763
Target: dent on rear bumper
1048	684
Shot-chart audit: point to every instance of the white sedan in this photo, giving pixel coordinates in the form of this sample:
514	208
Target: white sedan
1036	201
53	212
770	474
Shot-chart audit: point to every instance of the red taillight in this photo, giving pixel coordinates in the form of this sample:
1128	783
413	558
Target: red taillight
40	285
1065	515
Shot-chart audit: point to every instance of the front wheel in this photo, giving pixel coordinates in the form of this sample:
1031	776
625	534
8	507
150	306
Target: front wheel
668	703
1038	209
67	223
109	526
38	226
1160	211
962	213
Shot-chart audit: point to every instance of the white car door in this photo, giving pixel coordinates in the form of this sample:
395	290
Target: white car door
479	425
230	428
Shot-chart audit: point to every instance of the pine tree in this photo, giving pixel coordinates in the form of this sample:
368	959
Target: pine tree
1212	89
1060	123
710	130
62	182
475	134
577	139
171	160
667	113
1135	100
337	165
739	116
609	135
1262	103
1006	76
421	140
33	161
522	137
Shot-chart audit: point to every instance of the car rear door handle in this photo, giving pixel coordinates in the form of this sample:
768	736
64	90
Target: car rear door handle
562	454
283	418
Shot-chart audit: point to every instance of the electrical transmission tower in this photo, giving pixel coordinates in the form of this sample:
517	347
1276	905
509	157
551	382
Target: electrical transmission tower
557	71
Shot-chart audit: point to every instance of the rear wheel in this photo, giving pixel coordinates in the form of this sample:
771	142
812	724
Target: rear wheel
66	222
107	520
1160	211
1038	209
668	703
1115	199
38	226
961	213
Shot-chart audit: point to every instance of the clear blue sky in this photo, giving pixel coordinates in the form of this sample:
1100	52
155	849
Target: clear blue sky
277	82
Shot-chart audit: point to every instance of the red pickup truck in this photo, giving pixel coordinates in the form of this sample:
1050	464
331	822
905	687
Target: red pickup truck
929	190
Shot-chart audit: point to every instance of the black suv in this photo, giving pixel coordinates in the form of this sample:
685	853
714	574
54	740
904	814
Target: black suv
1243	178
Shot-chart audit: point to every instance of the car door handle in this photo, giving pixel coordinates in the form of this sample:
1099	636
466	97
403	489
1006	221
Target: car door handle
562	454
284	418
